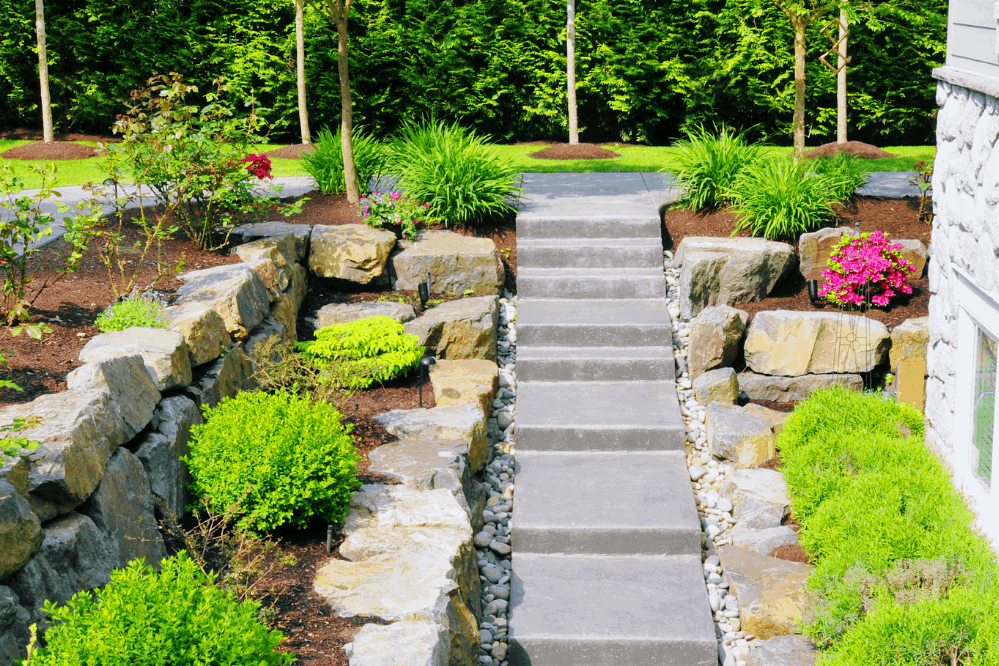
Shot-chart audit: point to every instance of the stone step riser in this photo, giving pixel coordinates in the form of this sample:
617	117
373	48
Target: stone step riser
594	369
593	335
581	438
590	257
580	287
551	227
575	651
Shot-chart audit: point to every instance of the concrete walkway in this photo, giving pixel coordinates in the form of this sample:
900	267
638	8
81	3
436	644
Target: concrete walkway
606	537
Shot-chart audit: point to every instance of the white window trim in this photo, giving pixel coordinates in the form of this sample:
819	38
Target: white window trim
976	309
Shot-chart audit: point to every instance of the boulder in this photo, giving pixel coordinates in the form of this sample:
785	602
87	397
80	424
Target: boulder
14	627
222	379
301	233
770	592
715	337
354	252
161	450
269	330
915	253
774	417
129	384
762	541
721	385
20	533
782	342
234	291
909	340
342	313
759	498
285	308
728	271
455	263
164	353
203	329
784	651
465	382
793	389
452	422
734	434
279	252
402	643
465	328
388	507
122	509
814	249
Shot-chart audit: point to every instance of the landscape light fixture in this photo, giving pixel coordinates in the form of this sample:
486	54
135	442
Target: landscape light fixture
813	291
425	364
424	290
329	538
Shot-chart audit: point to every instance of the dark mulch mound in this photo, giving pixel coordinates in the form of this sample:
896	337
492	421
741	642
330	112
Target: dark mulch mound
792	553
579	151
853	148
55	150
22	134
292	152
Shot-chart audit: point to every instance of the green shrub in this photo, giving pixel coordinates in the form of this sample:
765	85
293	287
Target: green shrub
129	313
369	350
174	617
778	198
846	173
452	169
281	458
325	163
708	163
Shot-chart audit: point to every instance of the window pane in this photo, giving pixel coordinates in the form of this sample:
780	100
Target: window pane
985	402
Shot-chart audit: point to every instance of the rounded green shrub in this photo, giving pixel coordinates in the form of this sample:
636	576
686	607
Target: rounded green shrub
172	617
131	312
277	456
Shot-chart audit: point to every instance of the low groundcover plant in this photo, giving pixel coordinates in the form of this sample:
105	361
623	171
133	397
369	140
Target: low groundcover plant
145	311
866	269
393	208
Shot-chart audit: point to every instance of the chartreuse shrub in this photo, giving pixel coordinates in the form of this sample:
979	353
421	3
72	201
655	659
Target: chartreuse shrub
900	578
369	350
325	163
279	457
454	171
145	311
172	617
707	164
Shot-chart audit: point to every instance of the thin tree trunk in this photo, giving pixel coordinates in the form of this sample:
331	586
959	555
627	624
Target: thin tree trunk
570	49
346	111
799	87
841	79
43	72
303	112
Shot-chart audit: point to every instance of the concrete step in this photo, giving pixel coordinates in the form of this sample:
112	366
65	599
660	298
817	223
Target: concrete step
585	610
597	226
605	504
598	416
596	322
580	283
590	252
594	364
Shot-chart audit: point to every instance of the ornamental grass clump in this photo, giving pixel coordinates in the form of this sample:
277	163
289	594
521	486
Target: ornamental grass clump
707	165
325	163
866	269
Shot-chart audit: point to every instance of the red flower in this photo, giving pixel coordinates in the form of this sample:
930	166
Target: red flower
259	165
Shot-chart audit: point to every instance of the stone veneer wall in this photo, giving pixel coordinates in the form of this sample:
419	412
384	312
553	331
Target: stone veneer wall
965	236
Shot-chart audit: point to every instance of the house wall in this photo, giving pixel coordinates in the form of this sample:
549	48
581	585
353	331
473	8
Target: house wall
971	36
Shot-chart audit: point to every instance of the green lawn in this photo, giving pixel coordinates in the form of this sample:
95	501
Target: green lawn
633	158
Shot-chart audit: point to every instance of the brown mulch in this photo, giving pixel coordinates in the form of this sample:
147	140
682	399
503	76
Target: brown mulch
55	150
23	134
292	152
853	148
579	151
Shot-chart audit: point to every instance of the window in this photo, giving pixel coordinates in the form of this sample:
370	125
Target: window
983	408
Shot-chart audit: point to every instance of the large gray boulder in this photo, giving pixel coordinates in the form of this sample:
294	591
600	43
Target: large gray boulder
128	382
20	532
455	264
770	592
784	651
793	389
222	379
203	329
122	509
272	258
762	541
721	385
269	331
815	247
782	342
738	435
301	233
14	627
343	313
285	308
354	252
715	337
163	351
728	271
759	497
464	423
234	291
465	328
160	451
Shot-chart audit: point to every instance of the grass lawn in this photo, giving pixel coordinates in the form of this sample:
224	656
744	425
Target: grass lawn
633	158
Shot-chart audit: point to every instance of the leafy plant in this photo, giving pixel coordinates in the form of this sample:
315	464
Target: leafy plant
281	457
778	198
454	171
393	208
924	181
145	617
325	163
369	350
865	269
280	367
708	163
844	173
11	444
144	310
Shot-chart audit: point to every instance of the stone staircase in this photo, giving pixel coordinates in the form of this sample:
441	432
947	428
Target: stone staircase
606	537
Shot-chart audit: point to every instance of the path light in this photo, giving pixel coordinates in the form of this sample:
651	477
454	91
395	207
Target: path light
424	295
329	538
425	364
813	291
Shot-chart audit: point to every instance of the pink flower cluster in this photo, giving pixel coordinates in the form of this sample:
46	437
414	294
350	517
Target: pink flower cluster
869	262
259	165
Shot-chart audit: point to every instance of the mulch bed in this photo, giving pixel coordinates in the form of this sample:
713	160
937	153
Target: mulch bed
853	148
55	150
292	152
579	151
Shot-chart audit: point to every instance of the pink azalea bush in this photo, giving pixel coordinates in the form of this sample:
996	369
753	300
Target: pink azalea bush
868	262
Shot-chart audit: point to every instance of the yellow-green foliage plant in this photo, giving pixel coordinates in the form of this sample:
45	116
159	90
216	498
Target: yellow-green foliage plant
369	350
898	569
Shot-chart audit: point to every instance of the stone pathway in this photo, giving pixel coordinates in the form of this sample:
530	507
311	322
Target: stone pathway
606	537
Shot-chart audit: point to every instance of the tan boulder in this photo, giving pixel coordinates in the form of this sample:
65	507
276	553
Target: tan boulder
464	382
814	249
738	435
909	340
20	530
781	342
771	592
344	313
203	329
461	329
715	336
354	252
272	258
464	423
793	389
164	353
409	643
301	232
455	263
915	253
234	291
721	385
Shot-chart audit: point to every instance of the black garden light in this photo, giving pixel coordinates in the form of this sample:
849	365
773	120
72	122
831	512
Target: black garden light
329	538
425	364
813	291
424	290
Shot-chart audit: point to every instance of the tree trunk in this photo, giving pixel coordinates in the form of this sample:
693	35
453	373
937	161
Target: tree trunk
570	52
799	87
342	9
303	112
841	79
43	72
